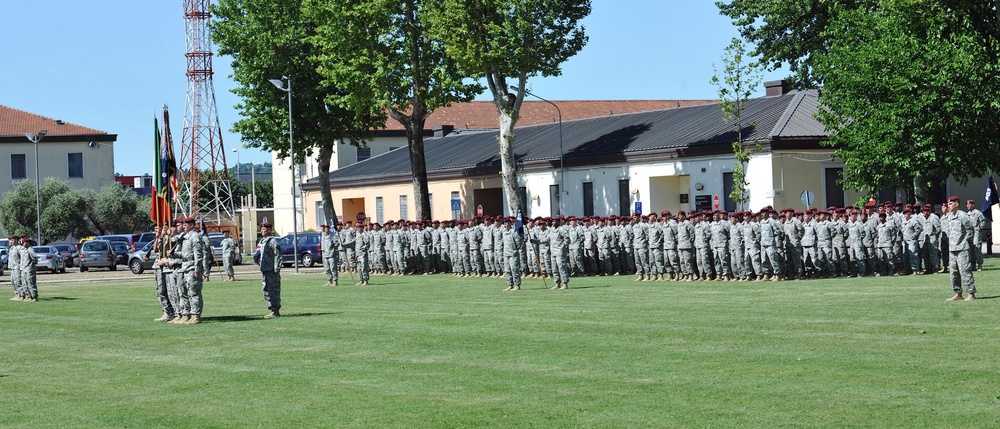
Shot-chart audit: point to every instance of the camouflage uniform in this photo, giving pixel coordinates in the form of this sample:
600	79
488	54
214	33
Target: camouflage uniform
330	243
29	277
959	229
270	269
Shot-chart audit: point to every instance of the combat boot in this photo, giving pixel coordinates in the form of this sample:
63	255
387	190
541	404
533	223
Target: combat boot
193	320
555	286
272	314
329	283
336	283
564	286
516	288
164	318
971	297
509	288
180	319
17	298
957	297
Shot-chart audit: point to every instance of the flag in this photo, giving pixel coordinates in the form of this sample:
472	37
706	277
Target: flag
992	197
519	222
159	208
168	168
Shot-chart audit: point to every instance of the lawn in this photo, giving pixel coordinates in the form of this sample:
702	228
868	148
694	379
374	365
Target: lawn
441	352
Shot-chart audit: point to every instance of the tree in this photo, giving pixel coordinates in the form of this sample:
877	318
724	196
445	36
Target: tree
380	53
738	81
113	209
509	39
269	39
911	93
62	212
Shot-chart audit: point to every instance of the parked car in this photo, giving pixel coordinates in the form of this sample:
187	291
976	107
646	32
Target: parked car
69	253
144	238
308	247
49	259
4	243
216	241
97	254
142	259
127	238
122	250
3	259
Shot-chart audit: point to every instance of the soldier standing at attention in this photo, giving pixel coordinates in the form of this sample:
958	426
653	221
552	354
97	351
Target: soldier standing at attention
228	255
929	240
349	234
194	267
558	238
270	269
911	236
512	243
176	283
160	276
330	244
959	229
978	234
14	262
360	243
29	263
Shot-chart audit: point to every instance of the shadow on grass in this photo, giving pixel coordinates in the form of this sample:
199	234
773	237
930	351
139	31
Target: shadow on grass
987	297
57	298
224	319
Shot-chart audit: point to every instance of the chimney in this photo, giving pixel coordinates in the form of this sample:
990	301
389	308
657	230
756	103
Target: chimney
776	87
443	130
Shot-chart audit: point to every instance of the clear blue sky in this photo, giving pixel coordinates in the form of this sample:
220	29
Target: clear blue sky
112	64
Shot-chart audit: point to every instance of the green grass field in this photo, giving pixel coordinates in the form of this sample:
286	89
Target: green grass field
441	352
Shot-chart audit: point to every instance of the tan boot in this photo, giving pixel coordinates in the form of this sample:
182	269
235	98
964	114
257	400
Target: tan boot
17	298
555	286
272	314
179	319
957	297
336	282
193	320
971	297
509	288
165	317
516	288
564	286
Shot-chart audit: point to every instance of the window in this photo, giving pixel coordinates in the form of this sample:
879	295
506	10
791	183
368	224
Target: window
379	211
834	190
364	153
403	211
554	200
430	199
588	198
75	164
624	198
320	214
522	193
727	190
456	211
18	167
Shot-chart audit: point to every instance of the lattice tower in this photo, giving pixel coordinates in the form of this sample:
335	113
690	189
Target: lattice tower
203	157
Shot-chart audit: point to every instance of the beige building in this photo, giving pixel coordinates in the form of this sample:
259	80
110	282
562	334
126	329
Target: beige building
83	156
460	117
671	159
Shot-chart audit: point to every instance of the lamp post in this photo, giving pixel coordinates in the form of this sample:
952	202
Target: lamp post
291	150
38	199
562	172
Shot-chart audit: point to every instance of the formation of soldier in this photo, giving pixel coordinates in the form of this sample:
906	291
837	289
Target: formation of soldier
23	263
180	272
768	245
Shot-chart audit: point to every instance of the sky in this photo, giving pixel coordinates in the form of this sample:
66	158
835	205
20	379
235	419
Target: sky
112	64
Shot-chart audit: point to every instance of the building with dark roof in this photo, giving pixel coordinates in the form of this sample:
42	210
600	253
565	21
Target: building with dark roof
670	159
83	156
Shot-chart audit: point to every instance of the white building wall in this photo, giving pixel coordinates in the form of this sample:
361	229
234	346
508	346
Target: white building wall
760	176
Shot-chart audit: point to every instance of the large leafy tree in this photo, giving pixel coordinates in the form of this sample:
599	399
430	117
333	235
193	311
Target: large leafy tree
270	39
382	55
909	90
506	42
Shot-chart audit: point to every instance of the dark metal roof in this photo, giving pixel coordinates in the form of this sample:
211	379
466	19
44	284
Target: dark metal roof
670	133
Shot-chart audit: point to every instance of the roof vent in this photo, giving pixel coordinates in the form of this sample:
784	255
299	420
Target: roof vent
60	122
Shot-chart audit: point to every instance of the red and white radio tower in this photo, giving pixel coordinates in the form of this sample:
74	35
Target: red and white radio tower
203	157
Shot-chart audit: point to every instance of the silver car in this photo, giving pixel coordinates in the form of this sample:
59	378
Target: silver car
97	253
49	259
142	259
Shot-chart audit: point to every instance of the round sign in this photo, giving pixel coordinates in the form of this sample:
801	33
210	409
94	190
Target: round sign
807	198
361	216
715	201
479	210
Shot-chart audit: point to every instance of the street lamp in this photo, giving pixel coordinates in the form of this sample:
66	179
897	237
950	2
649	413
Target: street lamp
562	172
291	150
38	200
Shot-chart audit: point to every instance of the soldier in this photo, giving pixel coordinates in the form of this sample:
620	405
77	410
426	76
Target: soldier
29	264
771	241
590	253
856	235
751	243
176	282
460	252
671	261
978	233
911	237
720	233
195	267
656	260
511	243
959	228
330	245
383	241
349	235
840	242
626	245
399	248
14	262
475	232
825	230
228	255
793	231
615	234
159	277
438	239
558	238
929	240
640	246
703	245
270	269
884	242
736	249
577	236
685	246
361	243
604	239
206	245
871	235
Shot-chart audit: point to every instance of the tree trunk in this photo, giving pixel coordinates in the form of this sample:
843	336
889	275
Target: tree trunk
329	211
418	166
508	165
